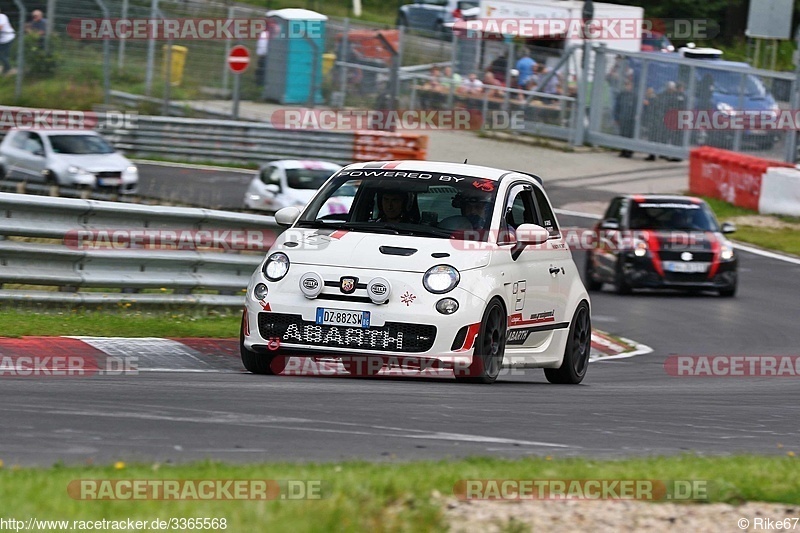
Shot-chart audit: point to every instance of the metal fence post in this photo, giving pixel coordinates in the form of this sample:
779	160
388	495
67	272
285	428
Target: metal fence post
20	49
583	86
106	56
151	51
121	45
231	15
168	80
345	45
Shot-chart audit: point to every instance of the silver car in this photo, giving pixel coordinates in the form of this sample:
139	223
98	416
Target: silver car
66	157
436	16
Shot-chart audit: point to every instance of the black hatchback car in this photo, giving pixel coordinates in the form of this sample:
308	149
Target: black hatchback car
657	241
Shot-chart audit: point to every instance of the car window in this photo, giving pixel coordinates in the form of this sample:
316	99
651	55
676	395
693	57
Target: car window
517	210
672	215
435	205
270	175
614	210
19	140
546	216
307	178
337	206
33	143
80	145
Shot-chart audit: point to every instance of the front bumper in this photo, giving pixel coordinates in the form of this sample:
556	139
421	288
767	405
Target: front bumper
640	272
407	326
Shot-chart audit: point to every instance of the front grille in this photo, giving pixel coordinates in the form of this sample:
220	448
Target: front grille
703	257
682	277
392	337
108	174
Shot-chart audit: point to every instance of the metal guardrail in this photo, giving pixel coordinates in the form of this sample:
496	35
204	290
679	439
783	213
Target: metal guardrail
37	247
228	141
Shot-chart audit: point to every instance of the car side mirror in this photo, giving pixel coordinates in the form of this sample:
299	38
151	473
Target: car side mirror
287	216
273	188
728	227
610	223
39	152
531	234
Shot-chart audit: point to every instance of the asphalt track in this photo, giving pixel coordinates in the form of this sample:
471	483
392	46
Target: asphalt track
624	407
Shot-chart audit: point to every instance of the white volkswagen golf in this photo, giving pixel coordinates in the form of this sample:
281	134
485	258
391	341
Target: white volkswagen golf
434	265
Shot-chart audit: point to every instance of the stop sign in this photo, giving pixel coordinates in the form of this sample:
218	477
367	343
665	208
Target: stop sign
238	59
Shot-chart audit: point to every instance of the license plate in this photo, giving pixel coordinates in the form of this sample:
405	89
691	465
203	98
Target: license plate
342	317
110	181
685	268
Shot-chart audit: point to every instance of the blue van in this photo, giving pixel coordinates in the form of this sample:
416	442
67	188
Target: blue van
717	91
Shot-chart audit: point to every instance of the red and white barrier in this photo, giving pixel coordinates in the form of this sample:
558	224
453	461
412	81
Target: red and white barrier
780	192
740	179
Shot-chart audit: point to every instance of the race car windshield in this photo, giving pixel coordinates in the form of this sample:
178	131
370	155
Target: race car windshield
80	145
672	216
426	204
306	178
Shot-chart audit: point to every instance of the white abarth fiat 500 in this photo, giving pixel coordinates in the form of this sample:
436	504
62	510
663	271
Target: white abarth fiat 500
434	265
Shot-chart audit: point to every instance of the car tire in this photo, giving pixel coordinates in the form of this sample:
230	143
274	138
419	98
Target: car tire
576	355
490	347
591	283
259	363
622	286
729	292
3	173
50	177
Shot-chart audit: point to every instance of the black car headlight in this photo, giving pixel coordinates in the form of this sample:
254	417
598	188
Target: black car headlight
276	266
441	279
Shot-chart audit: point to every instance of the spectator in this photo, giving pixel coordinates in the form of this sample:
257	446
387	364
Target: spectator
434	81
451	79
525	67
472	85
7	35
498	68
625	114
491	85
262	46
38	24
649	123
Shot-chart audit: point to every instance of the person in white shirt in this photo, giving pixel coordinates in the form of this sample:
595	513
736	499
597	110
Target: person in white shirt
472	85
262	46
7	35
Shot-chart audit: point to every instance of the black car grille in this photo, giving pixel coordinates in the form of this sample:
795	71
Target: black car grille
683	277
703	257
108	174
392	337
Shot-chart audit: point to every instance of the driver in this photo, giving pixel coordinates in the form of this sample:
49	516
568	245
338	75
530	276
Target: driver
396	206
474	207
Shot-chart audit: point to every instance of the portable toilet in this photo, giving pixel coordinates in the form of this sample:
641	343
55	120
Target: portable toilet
294	56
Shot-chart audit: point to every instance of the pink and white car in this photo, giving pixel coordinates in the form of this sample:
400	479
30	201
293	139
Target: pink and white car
289	182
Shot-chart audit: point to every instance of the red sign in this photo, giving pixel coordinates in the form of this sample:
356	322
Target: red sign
238	59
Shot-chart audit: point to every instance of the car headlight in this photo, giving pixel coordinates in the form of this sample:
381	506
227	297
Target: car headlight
440	279
72	169
640	248
276	266
726	251
132	171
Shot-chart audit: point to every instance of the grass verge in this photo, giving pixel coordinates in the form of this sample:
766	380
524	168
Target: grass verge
122	321
779	233
360	496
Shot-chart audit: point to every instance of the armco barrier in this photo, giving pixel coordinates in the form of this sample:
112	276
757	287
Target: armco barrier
780	192
729	176
229	141
64	262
